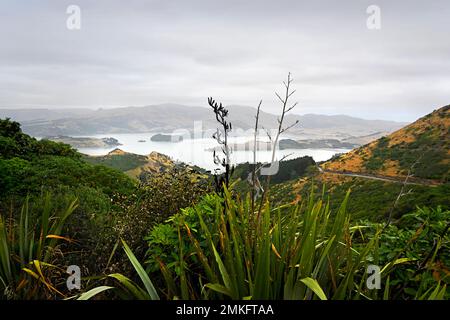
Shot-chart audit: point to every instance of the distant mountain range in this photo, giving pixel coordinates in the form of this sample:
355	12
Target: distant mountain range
166	118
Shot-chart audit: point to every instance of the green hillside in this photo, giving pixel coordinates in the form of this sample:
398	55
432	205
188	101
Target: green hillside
376	173
421	148
30	166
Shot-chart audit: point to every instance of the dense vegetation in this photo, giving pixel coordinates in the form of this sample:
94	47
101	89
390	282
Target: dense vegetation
27	166
418	151
180	239
123	162
382	197
38	175
219	249
424	155
287	170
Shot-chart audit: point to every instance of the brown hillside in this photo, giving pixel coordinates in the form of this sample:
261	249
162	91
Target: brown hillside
424	142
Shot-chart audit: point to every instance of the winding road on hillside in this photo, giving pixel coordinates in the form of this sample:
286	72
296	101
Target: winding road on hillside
428	183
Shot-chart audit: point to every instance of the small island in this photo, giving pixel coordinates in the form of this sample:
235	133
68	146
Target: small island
291	144
159	137
86	142
316	144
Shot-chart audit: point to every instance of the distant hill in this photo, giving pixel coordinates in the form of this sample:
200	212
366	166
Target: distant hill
165	118
362	140
133	164
422	148
42	114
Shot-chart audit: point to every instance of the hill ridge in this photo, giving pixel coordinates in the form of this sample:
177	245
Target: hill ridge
169	117
421	148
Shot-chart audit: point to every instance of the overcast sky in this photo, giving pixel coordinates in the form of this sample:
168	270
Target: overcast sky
149	52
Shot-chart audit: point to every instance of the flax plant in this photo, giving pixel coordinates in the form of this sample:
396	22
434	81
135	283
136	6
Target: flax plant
299	252
26	250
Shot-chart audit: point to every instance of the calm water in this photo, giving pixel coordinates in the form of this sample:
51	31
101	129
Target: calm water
194	151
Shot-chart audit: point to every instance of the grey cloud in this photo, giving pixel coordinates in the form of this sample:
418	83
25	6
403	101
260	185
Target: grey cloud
145	52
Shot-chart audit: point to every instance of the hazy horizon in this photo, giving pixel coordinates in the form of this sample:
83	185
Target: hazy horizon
273	112
239	52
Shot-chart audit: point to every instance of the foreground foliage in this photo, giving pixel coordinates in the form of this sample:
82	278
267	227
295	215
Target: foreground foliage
57	210
29	251
220	249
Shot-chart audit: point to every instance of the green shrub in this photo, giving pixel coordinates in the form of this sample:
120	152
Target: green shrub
422	240
163	239
288	170
163	195
14	143
22	177
373	200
